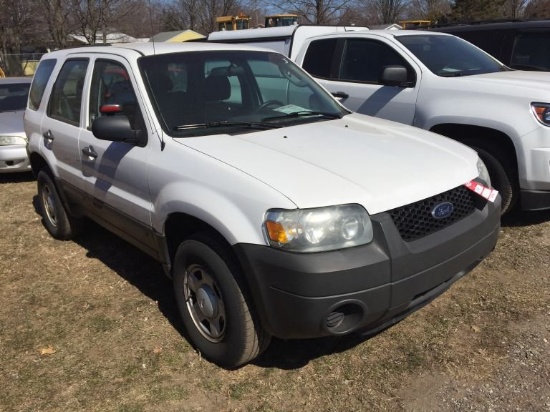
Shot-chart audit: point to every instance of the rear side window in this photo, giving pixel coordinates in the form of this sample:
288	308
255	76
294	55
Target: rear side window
66	98
318	58
489	40
40	80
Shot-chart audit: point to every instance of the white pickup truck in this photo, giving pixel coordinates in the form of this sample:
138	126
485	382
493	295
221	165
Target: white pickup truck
436	82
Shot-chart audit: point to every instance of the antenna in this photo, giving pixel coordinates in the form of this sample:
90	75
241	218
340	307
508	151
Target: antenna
162	142
151	24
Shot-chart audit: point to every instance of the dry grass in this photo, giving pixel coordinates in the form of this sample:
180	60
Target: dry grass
91	325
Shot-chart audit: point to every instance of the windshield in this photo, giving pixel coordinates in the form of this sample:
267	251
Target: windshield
13	96
449	56
234	92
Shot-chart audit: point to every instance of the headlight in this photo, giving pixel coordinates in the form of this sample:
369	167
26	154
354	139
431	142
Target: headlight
541	112
483	172
320	229
12	140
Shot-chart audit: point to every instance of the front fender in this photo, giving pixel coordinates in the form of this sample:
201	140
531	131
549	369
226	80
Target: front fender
236	215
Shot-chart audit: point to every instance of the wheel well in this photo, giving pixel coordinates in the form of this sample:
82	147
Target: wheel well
180	226
493	141
37	163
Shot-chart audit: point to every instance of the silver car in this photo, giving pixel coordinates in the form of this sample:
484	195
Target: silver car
14	92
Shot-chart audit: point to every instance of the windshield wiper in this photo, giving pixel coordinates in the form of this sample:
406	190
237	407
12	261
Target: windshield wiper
304	113
252	125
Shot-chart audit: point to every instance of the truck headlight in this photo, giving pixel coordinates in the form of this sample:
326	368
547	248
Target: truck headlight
483	173
319	229
541	112
12	140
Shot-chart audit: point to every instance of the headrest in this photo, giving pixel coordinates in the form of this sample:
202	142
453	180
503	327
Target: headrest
161	83
216	88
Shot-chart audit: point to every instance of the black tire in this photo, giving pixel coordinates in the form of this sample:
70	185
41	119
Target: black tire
213	302
502	178
57	221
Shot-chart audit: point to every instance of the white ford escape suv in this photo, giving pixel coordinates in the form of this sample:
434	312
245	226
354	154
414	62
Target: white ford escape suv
276	211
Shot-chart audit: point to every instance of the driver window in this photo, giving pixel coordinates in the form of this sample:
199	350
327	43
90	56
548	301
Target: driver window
365	60
111	85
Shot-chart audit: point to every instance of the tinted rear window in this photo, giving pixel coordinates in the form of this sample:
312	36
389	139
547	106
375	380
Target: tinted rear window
13	96
531	52
318	58
41	77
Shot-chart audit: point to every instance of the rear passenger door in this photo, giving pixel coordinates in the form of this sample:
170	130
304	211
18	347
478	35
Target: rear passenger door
60	127
351	69
114	174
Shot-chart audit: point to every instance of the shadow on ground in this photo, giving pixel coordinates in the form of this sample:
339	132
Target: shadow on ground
294	354
148	277
16	177
519	218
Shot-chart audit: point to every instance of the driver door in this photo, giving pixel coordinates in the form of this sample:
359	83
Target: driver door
354	76
115	173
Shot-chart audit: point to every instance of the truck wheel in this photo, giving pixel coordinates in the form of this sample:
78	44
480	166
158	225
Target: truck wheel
219	317
501	180
58	222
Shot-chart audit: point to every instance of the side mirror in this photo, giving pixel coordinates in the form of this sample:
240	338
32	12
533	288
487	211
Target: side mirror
118	129
395	76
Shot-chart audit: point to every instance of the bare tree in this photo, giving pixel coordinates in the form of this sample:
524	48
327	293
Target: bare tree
432	10
94	17
88	15
389	11
537	9
199	15
465	10
141	18
16	25
316	11
514	8
57	15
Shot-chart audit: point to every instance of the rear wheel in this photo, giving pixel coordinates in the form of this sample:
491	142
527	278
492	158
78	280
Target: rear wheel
219	317
58	222
502	178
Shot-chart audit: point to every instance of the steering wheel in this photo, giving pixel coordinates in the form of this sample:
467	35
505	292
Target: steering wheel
270	103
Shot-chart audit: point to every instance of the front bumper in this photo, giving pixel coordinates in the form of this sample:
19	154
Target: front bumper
365	288
14	159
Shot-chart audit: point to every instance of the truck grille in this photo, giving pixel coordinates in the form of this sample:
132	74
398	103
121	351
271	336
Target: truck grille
415	220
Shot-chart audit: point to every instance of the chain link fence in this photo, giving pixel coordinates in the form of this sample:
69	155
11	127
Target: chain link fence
18	64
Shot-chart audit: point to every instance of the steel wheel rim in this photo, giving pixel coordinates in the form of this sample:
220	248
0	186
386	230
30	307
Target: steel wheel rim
204	303
49	204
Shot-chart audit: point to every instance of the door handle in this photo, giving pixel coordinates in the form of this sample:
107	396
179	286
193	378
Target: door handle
340	95
90	152
48	135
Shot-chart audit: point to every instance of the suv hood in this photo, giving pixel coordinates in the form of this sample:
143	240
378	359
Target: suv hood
526	83
358	159
11	122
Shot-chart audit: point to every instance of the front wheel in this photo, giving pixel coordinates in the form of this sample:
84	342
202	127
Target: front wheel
219	317
502	178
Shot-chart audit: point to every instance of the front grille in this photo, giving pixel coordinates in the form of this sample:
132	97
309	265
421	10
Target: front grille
415	220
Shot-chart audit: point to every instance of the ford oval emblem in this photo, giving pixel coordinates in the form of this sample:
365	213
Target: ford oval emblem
442	210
